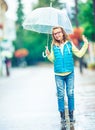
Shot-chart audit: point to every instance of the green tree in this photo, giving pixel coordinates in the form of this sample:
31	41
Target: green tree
18	43
76	13
94	10
86	19
47	3
35	43
19	29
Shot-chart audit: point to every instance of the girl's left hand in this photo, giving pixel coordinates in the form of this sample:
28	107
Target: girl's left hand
84	39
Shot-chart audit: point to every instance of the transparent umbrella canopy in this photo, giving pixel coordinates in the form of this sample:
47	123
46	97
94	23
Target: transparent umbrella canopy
42	20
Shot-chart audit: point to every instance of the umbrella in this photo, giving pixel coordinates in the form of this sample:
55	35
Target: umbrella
21	53
42	20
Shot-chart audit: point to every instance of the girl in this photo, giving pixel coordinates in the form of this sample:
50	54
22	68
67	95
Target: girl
62	50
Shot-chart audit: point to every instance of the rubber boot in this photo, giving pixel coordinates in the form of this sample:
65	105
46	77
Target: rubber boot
71	116
63	120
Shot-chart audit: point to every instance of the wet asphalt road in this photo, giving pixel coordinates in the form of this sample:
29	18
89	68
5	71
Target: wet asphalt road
28	100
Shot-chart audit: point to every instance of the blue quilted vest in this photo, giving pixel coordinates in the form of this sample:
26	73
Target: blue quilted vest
63	62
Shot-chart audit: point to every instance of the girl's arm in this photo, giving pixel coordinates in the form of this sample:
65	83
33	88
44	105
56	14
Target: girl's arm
82	51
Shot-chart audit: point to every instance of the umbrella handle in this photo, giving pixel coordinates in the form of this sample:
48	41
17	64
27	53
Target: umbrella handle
44	55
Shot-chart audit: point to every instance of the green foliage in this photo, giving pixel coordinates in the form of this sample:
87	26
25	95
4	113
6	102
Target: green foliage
35	43
19	30
20	13
86	19
47	3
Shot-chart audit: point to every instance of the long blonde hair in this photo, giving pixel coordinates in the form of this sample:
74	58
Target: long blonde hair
65	36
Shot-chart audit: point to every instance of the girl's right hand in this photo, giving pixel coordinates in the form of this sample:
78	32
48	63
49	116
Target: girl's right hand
47	51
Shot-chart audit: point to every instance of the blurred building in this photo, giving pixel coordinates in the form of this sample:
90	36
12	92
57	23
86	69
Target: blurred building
7	35
3	9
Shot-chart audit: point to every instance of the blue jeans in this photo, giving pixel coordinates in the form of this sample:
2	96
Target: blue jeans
61	82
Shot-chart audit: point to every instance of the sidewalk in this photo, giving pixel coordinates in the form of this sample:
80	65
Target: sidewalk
28	100
85	100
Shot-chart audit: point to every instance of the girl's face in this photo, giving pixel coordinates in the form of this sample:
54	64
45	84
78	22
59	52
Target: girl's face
58	35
